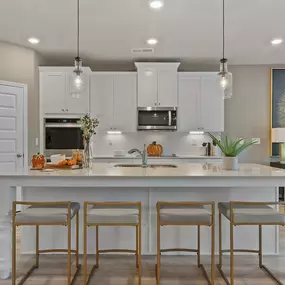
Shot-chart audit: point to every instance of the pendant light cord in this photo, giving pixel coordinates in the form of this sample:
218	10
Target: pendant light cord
77	28
223	29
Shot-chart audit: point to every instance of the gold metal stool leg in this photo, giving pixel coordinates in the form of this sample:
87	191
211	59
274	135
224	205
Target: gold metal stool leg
97	246
158	246
13	245
220	241
85	245
137	246
213	246
68	247
199	245
232	252
37	246
77	240
139	257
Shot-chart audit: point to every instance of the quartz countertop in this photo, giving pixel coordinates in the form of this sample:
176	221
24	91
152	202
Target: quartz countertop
188	170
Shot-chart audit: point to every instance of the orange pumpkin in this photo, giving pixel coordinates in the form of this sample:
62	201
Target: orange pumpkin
38	161
154	149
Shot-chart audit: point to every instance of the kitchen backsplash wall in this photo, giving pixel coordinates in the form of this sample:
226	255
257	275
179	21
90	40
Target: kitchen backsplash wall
172	142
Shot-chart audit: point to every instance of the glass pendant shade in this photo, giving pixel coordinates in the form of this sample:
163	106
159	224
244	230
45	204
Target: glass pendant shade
226	79
77	79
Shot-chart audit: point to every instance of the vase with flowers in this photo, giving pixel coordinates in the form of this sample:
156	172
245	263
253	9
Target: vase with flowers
88	126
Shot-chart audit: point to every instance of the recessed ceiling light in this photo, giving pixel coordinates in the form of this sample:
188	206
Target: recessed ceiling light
33	40
152	41
156	4
277	41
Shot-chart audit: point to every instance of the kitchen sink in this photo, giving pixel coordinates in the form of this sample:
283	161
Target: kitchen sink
149	165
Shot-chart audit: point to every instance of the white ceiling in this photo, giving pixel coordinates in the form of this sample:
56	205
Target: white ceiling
187	30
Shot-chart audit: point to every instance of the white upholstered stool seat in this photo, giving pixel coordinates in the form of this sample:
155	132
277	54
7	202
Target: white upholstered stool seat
100	214
184	214
243	213
57	213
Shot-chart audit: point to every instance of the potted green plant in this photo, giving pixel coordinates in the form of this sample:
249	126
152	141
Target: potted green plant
231	148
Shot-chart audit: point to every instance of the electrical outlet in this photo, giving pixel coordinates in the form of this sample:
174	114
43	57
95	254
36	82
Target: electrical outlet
257	140
37	141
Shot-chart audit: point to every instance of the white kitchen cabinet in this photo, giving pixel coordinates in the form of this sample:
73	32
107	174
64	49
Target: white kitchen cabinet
167	87
201	103
101	100
147	86
52	86
113	101
125	102
157	84
212	104
56	92
189	103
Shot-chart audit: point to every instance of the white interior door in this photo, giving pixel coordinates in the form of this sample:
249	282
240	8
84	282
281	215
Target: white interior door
11	128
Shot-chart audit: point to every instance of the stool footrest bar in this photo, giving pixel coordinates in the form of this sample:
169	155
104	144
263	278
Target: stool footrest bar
223	275
205	274
240	250
116	250
94	267
179	249
55	250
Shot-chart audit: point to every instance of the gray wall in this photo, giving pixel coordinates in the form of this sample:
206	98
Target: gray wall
20	65
247	114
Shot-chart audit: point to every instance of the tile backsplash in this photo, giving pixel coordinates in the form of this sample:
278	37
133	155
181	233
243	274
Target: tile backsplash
172	142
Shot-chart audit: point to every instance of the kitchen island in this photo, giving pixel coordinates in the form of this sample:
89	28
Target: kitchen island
106	182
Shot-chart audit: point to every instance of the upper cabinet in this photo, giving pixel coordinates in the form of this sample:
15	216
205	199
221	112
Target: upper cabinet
157	84
56	90
113	100
201	103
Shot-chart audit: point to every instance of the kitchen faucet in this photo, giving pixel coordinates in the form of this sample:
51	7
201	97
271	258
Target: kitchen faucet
143	154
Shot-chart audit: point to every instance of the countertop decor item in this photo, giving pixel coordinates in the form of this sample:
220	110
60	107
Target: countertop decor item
278	136
154	149
88	126
231	148
38	161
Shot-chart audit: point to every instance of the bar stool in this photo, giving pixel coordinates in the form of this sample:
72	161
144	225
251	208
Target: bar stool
186	214
247	213
45	214
112	214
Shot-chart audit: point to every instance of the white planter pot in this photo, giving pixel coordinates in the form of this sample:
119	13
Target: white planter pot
230	163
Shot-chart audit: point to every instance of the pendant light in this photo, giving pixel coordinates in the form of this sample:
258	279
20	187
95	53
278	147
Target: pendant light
78	77
226	76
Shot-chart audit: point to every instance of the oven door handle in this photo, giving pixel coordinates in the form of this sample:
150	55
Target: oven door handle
63	125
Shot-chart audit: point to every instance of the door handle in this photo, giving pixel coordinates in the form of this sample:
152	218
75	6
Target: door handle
19	155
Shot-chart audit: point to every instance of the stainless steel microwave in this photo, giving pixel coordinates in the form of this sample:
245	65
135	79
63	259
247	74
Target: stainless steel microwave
157	118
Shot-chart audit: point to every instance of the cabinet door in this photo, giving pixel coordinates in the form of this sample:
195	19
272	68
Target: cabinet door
167	87
53	89
189	103
147	87
77	105
101	100
125	103
212	104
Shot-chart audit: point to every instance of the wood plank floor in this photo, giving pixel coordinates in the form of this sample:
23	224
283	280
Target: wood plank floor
118	270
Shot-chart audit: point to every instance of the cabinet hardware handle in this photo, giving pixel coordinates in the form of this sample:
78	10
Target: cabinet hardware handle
159	104
155	104
62	110
66	110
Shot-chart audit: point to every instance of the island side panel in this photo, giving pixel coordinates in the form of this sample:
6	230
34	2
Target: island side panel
7	196
112	237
